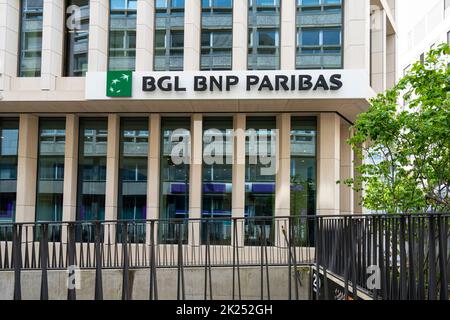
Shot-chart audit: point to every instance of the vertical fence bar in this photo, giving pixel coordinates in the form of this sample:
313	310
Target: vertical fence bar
153	295
432	295
443	255
44	261
98	266
71	290
125	262
17	256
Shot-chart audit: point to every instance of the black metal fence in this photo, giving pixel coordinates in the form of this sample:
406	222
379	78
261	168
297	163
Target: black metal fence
408	255
404	257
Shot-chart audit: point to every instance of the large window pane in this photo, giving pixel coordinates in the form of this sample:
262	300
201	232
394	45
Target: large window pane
50	185
169	35
77	37
9	133
134	136
260	173
91	173
30	38
122	35
217	179
263	35
303	176
319	29
174	176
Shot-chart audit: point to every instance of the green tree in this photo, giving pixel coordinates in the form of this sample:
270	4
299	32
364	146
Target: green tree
404	138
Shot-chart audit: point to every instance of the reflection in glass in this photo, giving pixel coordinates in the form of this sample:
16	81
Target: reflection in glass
169	35
77	38
259	179
303	173
174	189
134	136
92	172
9	141
31	38
217	179
217	35
122	35
50	186
264	35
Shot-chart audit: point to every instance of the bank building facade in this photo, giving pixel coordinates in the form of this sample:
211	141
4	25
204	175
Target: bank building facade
96	95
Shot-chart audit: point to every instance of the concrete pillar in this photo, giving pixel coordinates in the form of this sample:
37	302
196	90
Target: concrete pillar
153	167
195	177
378	50
240	35
52	43
145	25
27	168
283	178
9	41
192	30
71	168
98	35
288	34
328	166
357	34
112	167
391	60
283	181
238	188
346	171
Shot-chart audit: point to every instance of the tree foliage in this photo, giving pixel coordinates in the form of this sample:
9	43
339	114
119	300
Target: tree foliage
404	139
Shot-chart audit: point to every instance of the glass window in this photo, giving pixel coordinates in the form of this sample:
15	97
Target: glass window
76	38
319	34
303	175
93	140
263	35
169	35
260	173
50	183
134	137
217	34
217	179
9	142
122	35
174	176
30	38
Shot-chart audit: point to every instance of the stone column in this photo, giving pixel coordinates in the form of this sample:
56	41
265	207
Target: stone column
27	168
195	177
328	166
192	30
52	43
71	168
288	34
145	25
357	34
153	177
240	35
98	35
346	171
283	178
153	180
391	60
378	50
238	188
9	41
112	167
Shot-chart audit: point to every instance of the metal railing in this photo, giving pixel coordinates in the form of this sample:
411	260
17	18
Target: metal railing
401	257
408	254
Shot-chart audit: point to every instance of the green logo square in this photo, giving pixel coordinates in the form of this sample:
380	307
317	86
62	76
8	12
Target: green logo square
119	83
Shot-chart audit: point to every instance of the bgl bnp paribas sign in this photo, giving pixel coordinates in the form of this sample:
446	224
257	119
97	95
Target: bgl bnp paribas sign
228	85
119	83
